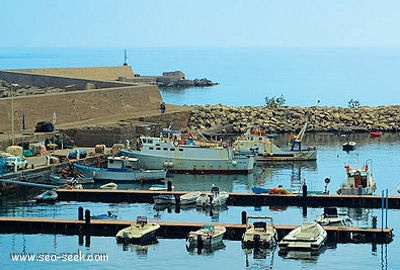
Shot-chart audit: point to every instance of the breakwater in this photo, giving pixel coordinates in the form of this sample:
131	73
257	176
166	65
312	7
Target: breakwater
221	119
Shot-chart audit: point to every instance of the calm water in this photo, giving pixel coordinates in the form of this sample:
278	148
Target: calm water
172	253
246	75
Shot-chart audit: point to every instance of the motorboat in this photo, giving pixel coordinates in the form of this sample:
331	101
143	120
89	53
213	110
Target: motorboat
49	196
207	235
121	169
177	154
308	236
374	134
264	148
359	181
189	198
259	234
110	185
349	146
108	215
142	232
330	217
164	199
160	187
213	198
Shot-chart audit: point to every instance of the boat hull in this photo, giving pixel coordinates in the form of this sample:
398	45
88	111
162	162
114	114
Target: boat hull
137	234
120	175
176	163
296	239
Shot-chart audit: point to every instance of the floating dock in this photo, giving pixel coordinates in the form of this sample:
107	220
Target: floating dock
176	229
236	199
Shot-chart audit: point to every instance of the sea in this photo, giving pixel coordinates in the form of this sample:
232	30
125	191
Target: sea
246	76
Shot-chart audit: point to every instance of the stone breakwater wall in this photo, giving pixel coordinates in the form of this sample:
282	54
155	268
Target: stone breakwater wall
220	119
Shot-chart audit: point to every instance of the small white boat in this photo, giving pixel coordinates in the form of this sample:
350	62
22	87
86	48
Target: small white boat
260	234
349	146
61	180
330	217
49	196
308	236
359	181
208	235
189	198
160	187
213	198
164	199
142	232
110	185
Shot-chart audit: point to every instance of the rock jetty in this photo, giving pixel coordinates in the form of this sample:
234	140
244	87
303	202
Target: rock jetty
220	119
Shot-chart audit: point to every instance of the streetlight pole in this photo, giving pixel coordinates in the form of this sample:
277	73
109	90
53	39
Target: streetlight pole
13	85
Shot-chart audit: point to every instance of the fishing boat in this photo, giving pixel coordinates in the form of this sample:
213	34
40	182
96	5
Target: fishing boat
330	217
207	235
189	198
349	146
213	198
110	185
108	215
140	233
308	236
49	196
359	181
121	169
164	199
264	148
259	234
179	155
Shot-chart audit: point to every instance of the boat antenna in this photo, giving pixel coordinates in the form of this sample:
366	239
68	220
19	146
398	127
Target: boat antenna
125	58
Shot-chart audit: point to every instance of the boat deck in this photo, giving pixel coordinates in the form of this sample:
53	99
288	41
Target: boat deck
176	229
235	198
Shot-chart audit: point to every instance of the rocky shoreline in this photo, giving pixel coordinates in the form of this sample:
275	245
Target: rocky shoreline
221	119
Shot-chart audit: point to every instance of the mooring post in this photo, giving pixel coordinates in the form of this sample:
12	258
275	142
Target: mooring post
80	213
383	206
244	217
169	185
374	222
87	216
387	206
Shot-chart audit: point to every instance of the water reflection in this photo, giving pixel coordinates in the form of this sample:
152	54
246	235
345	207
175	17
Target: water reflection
205	250
140	250
213	212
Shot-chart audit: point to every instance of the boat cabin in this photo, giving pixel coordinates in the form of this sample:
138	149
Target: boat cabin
359	178
330	212
141	220
260	226
121	162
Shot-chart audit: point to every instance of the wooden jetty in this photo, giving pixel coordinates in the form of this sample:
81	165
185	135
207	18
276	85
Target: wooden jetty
176	229
236	199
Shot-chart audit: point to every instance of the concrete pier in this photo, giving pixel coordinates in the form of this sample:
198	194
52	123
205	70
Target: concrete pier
175	229
236	199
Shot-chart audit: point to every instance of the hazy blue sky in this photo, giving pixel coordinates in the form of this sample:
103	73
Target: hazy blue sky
131	23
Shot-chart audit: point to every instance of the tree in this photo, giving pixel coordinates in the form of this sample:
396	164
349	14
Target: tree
274	102
353	103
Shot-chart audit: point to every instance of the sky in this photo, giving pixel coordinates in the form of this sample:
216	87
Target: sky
206	23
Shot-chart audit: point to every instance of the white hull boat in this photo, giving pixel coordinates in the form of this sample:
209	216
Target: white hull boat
208	235
260	144
260	234
308	236
142	233
122	169
330	217
164	199
359	181
60	180
189	198
169	152
109	186
49	196
214	198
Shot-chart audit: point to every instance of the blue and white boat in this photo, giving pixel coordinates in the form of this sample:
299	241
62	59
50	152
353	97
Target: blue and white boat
121	169
171	151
